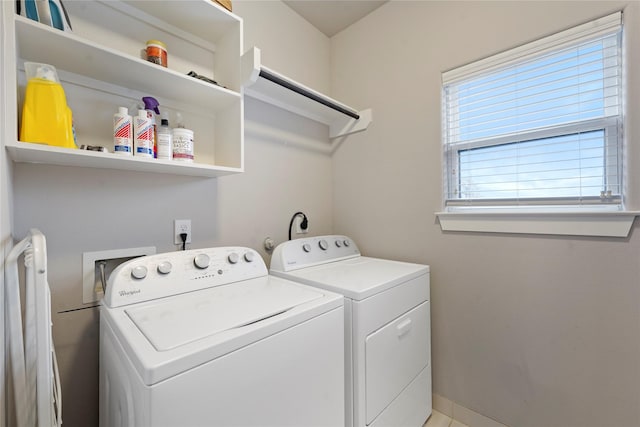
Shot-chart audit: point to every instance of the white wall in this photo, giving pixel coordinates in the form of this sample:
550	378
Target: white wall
83	210
289	44
529	330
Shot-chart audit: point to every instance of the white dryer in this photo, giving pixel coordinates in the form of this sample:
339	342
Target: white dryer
387	326
208	338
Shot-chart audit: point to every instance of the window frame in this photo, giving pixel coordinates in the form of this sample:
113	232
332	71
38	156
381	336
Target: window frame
592	218
610	125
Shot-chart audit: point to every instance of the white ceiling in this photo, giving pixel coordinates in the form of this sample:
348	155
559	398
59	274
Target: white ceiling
333	16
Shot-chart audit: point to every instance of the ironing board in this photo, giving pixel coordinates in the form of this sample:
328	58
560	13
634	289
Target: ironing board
33	366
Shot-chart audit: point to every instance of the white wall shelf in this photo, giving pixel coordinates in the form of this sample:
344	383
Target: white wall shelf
39	43
272	87
204	19
27	152
101	69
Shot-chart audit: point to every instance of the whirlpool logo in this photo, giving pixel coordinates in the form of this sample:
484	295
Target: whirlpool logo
129	293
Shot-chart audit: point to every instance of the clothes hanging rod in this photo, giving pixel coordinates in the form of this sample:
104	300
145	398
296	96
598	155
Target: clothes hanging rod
284	83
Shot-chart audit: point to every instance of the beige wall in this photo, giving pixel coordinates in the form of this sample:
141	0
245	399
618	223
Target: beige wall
82	209
529	330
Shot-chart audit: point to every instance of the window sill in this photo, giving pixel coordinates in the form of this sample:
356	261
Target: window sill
602	224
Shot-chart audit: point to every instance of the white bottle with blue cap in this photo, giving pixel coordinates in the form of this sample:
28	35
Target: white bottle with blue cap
123	132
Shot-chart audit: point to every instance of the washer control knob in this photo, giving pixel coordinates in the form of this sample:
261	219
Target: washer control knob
202	261
306	247
323	244
164	267
249	256
338	244
233	258
347	243
139	272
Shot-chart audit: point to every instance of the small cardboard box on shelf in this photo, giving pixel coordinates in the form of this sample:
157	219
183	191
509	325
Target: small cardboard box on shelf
225	3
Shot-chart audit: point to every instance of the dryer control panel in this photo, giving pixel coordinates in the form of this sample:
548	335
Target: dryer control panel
162	275
302	253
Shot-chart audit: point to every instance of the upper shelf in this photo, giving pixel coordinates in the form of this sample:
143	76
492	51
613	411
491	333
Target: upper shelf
204	19
67	51
269	86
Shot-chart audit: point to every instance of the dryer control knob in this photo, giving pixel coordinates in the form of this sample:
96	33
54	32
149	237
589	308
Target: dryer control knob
347	243
249	256
139	272
306	247
338	244
233	258
201	261
323	244
164	267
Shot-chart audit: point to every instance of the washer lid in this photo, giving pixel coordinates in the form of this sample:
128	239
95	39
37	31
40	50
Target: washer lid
170	336
357	278
172	322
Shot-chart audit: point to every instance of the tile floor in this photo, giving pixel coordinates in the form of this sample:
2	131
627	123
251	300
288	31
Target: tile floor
438	419
447	413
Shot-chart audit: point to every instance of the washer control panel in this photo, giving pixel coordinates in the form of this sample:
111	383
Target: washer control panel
161	275
300	253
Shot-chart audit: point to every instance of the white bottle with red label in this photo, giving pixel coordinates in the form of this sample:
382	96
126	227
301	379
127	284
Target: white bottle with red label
123	132
143	135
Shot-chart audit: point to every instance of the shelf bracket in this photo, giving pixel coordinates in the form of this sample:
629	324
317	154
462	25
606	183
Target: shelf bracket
347	126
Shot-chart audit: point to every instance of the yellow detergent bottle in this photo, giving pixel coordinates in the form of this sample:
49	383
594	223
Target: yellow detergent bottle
46	118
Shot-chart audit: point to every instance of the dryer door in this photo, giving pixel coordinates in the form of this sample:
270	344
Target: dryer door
395	354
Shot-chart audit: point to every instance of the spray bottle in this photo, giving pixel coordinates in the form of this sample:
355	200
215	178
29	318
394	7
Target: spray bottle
182	141
151	106
165	138
123	132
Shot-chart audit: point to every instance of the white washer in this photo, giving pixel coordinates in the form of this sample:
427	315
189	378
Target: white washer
207	337
387	326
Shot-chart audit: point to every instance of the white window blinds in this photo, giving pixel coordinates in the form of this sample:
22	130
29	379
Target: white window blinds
539	125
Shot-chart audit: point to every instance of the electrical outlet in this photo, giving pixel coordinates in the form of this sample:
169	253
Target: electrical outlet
181	226
298	223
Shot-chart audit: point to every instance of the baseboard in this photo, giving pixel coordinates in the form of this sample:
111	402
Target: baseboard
461	414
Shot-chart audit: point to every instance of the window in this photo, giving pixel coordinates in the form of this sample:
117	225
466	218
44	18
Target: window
539	126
